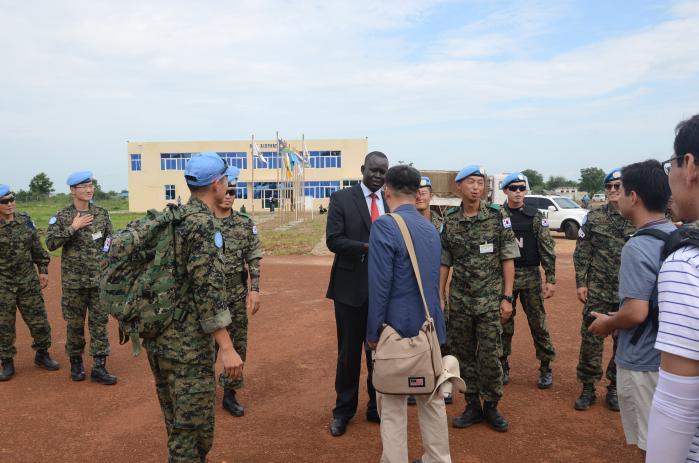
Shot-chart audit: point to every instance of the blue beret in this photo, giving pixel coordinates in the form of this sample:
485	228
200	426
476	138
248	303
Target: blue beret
469	171
205	169
76	178
233	173
614	174
513	178
425	181
4	189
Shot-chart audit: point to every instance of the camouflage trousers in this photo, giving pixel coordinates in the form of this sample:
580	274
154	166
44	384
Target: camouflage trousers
474	336
30	303
592	346
238	331
186	394
77	304
528	289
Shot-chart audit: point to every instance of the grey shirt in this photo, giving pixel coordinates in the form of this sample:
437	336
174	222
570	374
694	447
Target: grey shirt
640	264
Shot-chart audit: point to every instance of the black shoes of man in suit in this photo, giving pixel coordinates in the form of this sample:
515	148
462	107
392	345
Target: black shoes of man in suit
338	426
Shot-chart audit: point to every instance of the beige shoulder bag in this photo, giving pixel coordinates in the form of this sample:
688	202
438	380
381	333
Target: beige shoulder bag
408	365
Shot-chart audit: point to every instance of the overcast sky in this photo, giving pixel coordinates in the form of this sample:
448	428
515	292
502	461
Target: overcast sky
554	86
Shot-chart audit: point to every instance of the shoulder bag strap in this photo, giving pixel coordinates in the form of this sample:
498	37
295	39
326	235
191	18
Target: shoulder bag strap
413	258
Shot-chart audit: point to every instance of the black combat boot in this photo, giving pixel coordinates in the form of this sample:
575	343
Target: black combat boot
231	404
472	414
612	398
587	397
505	371
99	371
493	417
42	359
545	376
8	369
77	369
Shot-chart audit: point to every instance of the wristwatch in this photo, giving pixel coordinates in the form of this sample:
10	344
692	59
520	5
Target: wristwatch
510	299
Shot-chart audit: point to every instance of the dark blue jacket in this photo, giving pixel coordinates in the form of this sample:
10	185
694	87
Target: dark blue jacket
394	297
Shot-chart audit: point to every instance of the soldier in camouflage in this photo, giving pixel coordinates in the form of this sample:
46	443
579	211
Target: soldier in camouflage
536	247
479	247
242	247
84	232
423	200
21	255
182	357
597	259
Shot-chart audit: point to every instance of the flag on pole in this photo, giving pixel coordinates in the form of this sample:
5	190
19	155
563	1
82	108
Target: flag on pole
306	156
257	155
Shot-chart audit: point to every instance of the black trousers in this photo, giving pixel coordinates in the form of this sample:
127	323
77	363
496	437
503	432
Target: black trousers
351	334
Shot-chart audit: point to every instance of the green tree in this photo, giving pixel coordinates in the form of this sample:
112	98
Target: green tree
99	193
536	180
591	179
557	181
40	186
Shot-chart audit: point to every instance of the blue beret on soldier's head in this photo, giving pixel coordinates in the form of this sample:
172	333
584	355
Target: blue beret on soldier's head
468	171
76	178
425	181
233	173
204	169
4	189
513	178
614	174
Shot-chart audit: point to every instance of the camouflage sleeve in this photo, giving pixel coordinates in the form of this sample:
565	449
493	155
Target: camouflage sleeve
583	254
508	243
254	270
253	255
547	247
109	230
446	258
59	232
208	280
39	255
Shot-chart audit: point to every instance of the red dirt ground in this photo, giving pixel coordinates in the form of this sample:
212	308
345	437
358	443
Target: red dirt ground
289	393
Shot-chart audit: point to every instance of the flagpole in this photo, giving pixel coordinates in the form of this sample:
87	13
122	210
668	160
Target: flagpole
279	213
252	173
303	146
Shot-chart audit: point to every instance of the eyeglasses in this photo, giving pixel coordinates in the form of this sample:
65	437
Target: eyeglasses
612	186
667	165
514	188
85	186
5	201
230	192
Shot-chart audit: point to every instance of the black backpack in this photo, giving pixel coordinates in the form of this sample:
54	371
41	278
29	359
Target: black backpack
683	236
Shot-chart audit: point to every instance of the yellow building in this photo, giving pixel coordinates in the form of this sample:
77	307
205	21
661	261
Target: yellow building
156	170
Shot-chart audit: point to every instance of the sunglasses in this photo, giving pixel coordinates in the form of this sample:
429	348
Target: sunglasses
8	200
667	165
230	192
612	186
514	188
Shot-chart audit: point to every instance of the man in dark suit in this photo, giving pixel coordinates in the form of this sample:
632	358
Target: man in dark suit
350	215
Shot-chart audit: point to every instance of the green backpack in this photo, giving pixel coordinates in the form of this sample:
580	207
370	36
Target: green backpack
141	286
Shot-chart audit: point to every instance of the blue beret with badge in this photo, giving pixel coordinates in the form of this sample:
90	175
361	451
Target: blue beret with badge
425	181
513	178
233	173
614	174
468	171
205	169
81	176
4	189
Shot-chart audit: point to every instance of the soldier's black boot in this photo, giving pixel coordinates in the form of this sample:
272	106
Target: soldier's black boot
612	398
231	404
8	369
77	369
493	416
545	376
42	359
472	414
505	371
99	371
587	397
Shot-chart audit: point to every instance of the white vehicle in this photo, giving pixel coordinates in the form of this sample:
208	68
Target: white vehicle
564	214
599	198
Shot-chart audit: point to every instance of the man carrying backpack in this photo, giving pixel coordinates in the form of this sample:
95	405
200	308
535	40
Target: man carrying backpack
643	200
182	356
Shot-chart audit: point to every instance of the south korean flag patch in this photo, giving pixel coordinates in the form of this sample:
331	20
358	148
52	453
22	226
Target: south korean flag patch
545	222
254	229
506	222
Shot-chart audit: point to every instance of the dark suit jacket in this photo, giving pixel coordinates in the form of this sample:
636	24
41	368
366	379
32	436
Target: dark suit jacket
346	233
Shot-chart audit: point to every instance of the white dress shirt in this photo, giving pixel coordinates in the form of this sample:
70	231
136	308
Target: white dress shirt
379	199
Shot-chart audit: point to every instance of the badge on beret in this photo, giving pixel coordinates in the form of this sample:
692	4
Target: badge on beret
218	239
545	222
53	220
581	233
506	222
520	177
254	229
616	174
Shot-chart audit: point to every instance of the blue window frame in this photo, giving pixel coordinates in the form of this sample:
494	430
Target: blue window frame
135	162
273	160
238	159
170	192
241	190
320	189
349	183
326	159
174	161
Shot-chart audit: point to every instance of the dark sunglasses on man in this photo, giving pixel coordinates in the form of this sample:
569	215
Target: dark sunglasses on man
667	165
230	192
514	188
612	186
7	200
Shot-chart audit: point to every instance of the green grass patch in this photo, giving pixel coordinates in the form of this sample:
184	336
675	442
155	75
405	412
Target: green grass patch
297	240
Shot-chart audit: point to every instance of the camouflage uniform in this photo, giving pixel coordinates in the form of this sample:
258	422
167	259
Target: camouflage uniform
81	267
436	220
242	246
528	288
182	357
20	250
597	259
474	331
